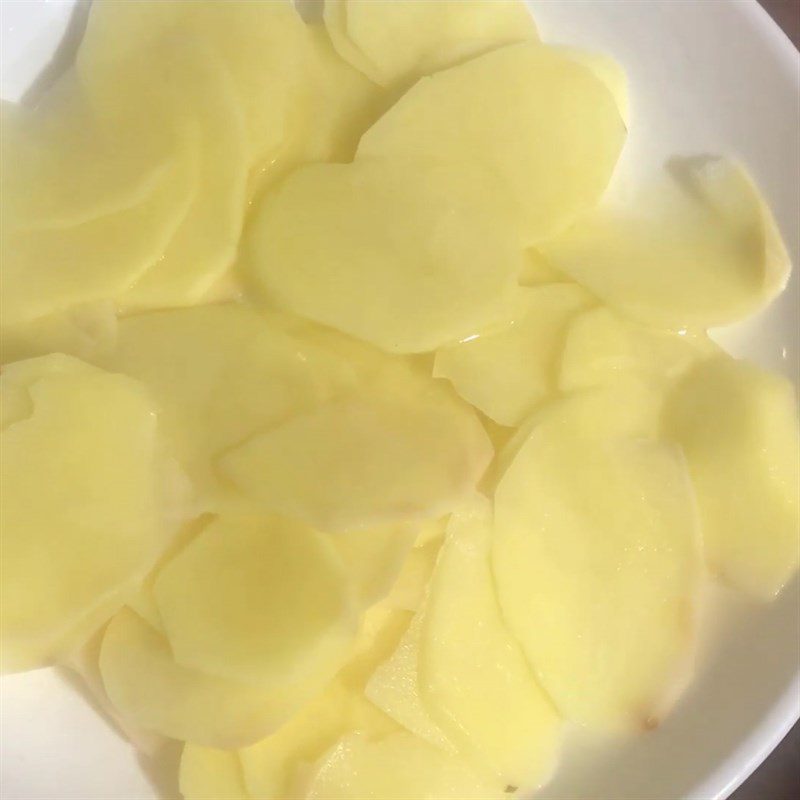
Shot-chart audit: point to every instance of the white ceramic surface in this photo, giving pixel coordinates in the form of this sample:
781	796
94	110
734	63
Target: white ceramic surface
707	76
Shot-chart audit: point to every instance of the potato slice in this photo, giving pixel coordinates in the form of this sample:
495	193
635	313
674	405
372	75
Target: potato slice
261	600
82	511
408	256
537	270
596	559
411	586
402	454
548	127
151	690
210	774
506	374
401	41
738	426
506	722
335	17
601	346
220	374
700	251
396	767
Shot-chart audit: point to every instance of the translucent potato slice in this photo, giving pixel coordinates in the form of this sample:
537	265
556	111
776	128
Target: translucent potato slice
220	374
401	41
258	599
472	673
700	251
536	270
548	127
396	767
596	561
210	774
411	585
154	692
505	374
738	426
398	455
81	511
335	17
602	346
408	256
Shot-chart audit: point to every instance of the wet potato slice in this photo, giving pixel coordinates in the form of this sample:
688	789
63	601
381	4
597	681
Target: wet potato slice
210	774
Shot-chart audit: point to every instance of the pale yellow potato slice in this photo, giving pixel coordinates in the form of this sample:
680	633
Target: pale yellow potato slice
408	256
152	691
738	426
207	773
402	454
537	270
396	767
506	374
548	127
374	558
220	374
258	599
86	331
401	41
411	585
602	346
473	675
701	250
596	557
335	18
82	512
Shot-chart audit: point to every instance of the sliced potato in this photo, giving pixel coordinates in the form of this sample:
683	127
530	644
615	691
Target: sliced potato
601	347
506	374
701	250
408	256
379	458
610	72
401	41
548	127
537	270
396	767
82	512
596	559
335	17
473	675
210	774
261	600
738	426
411	585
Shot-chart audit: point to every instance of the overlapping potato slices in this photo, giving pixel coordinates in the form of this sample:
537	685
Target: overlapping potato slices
398	449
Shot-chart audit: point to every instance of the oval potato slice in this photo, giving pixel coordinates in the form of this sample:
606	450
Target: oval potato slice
210	774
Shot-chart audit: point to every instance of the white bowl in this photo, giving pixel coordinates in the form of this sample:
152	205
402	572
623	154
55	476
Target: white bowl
706	77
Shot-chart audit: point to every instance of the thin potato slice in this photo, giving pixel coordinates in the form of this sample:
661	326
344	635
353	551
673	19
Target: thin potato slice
610	72
548	127
335	17
408	592
472	673
702	251
396	767
401	41
596	559
256	599
210	774
738	426
400	455
82	512
152	691
408	256
506	374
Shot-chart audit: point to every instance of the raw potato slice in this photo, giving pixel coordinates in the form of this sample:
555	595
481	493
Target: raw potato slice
601	346
85	331
610	72
86	464
397	767
220	374
701	251
596	561
738	426
210	774
537	270
373	558
411	585
506	374
473	675
258	599
152	691
381	458
402	41
394	688
408	256
335	17
548	127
